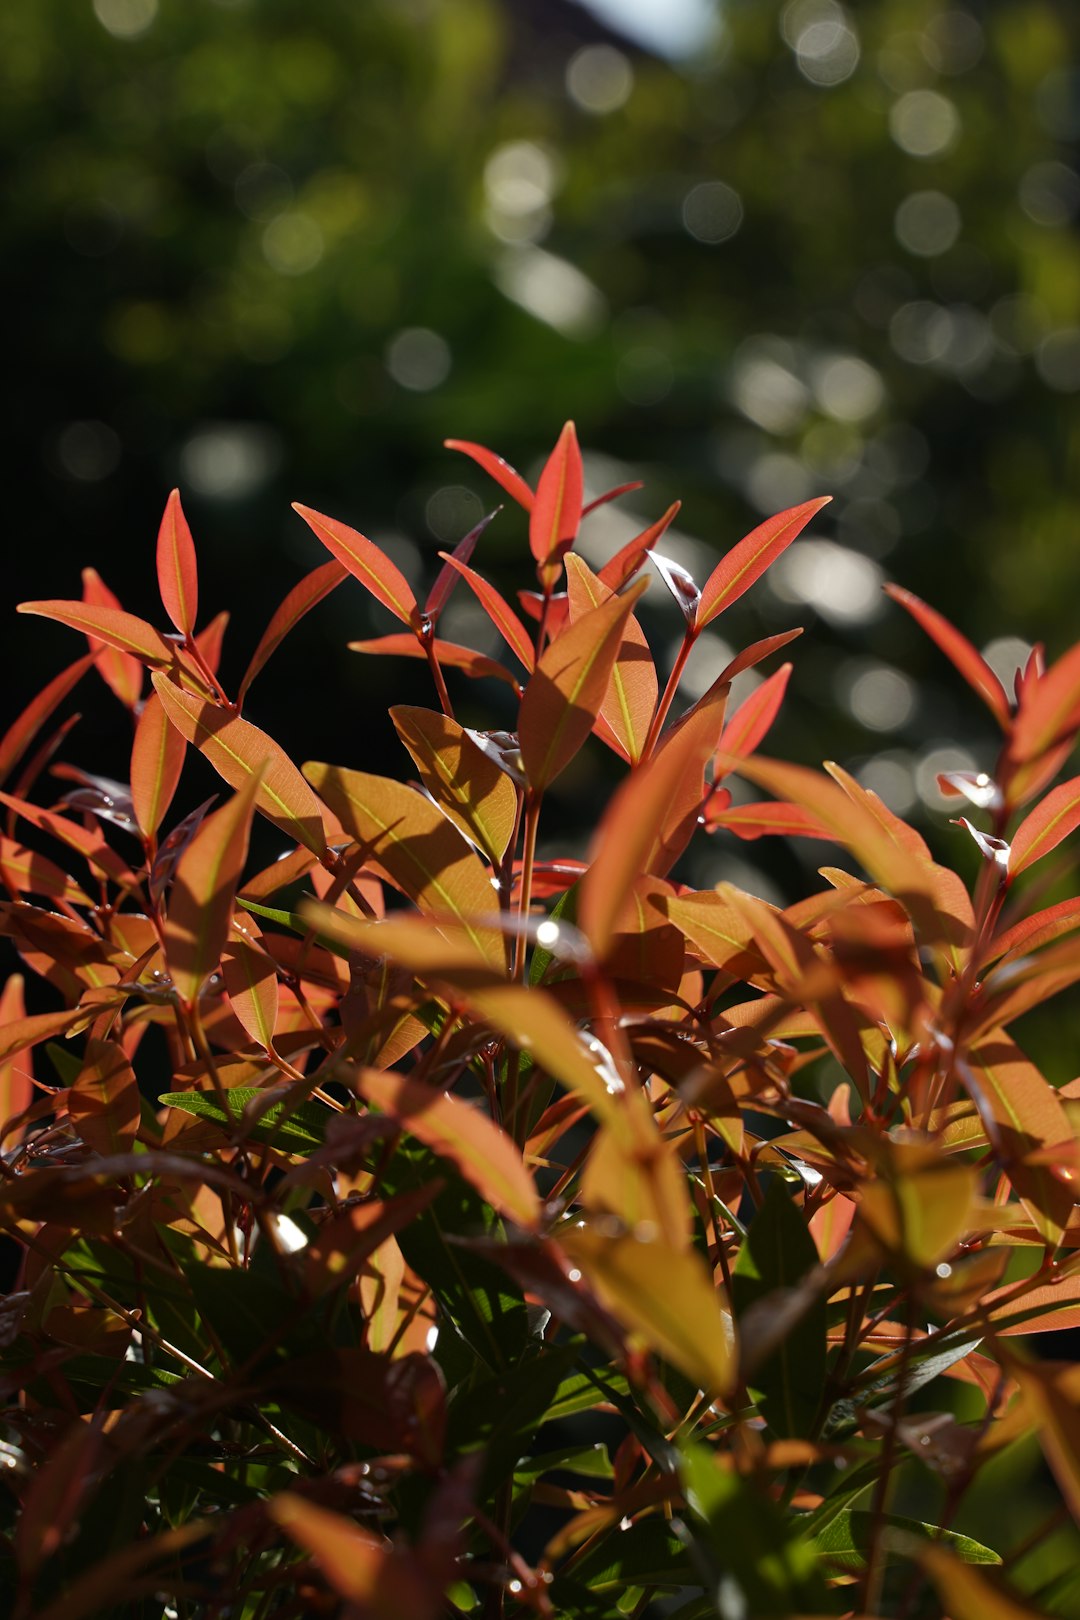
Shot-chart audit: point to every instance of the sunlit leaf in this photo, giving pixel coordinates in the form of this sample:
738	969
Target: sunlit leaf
28	872
744	730
1044	828
448	653
747	561
411	840
959	651
502	472
497	609
630	700
365	562
484	1154
629	558
157	760
237	750
479	798
300	600
556	511
203	891
16	1083
1049	709
564	694
112	626
119	670
177	571
383	1583
22	731
251	980
966	1592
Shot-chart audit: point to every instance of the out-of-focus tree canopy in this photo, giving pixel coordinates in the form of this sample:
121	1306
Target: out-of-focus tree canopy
272	250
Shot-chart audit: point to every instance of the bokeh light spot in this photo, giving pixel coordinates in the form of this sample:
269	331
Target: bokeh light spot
418	359
924	123
599	79
927	223
126	19
712	212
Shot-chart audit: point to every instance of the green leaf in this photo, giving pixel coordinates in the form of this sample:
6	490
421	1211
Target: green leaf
844	1540
293	1126
649	1553
503	1414
777	1254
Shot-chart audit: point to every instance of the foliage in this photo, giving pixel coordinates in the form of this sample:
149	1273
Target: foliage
358	1191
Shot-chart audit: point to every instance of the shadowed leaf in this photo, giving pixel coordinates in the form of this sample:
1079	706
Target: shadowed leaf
104	1102
204	889
478	797
157	760
121	672
630	700
22	731
448	653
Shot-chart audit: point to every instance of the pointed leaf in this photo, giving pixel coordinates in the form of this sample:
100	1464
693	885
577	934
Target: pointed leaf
448	653
959	651
757	651
556	514
747	561
663	1295
104	1103
365	562
250	975
119	670
22	731
629	558
447	577
968	1594
1049	710
629	835
497	609
479	798
630	700
611	495
204	890
767	819
157	760
177	570
564	694
502	472
16	1083
746	728
112	626
421	853
699	729
210	640
237	750
300	600
487	1158
27	872
20	1033
1044	827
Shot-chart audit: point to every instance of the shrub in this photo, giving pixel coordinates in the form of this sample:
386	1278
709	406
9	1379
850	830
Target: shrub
466	1157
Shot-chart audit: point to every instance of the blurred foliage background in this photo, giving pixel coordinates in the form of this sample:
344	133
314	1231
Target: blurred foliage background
270	250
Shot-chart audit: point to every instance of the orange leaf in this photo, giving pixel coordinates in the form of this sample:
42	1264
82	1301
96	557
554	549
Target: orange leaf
177	570
717	931
752	719
22	731
203	891
485	1155
379	1582
112	626
502	472
16	1084
757	651
630	700
1044	828
630	832
695	734
413	843
967	1592
747	561
250	976
300	600
1022	1113
497	609
564	694
556	514
771	817
119	670
478	797
30	873
21	1032
449	653
662	1294
629	558
365	562
237	749
959	651
1049	709
157	759
1051	1390
104	1103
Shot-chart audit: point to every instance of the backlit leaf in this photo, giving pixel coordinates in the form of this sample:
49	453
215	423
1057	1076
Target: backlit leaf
28	872
485	1155
448	653
22	731
556	513
768	819
382	1583
16	1084
447	577
747	561
412	841
564	693
1049	709
1043	829
629	558
968	1594
479	798
745	729
300	600
177	570
365	562
502	472
630	700
497	609
104	1104
119	670
250	975
1022	1113
157	760
204	889
959	651
663	1295
112	626
237	750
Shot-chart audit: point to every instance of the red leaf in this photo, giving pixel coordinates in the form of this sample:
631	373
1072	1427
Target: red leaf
629	558
210	639
447	577
959	651
556	514
502	472
112	626
22	731
563	696
365	562
769	818
16	1083
747	561
611	495
177	570
157	759
400	645
203	891
497	609
752	719
704	721
757	651
1049	710
300	600
122	673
